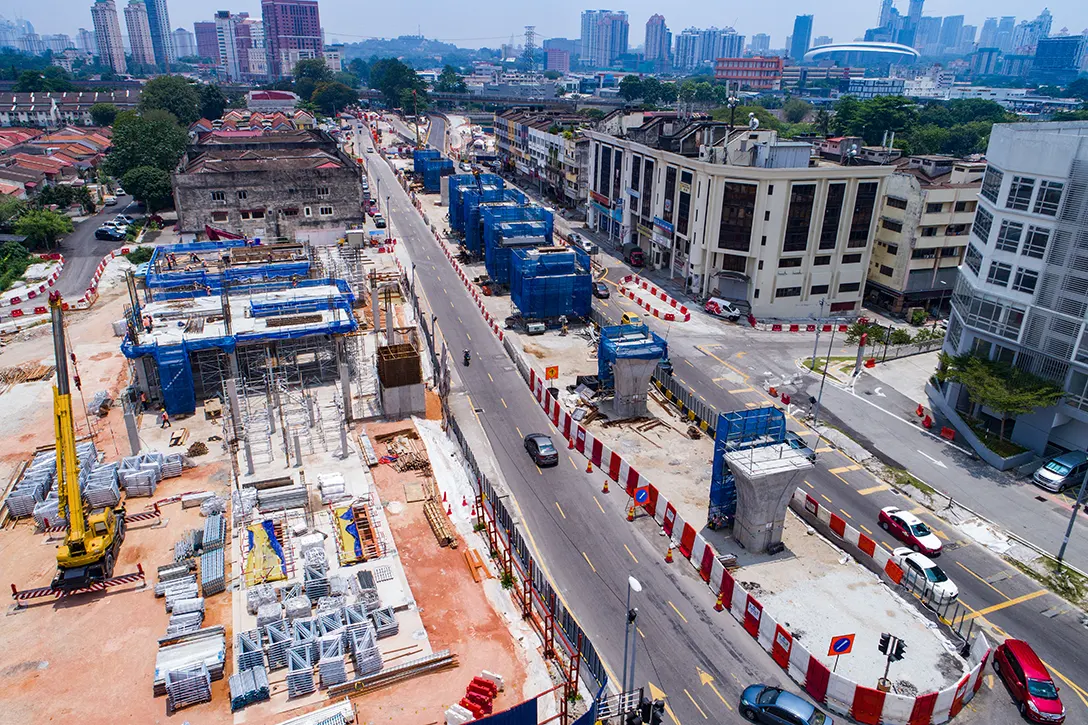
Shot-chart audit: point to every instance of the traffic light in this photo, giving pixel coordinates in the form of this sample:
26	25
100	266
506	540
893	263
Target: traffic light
897	650
657	712
885	642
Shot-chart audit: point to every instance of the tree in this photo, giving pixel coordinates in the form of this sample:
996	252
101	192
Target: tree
348	79
360	69
331	98
153	139
651	90
1003	388
450	82
42	227
315	69
174	94
102	114
10	209
149	185
795	110
392	78
212	102
51	78
927	140
667	93
823	121
899	336
631	88
1078	89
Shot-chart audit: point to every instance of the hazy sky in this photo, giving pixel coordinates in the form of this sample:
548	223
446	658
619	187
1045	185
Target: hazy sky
491	23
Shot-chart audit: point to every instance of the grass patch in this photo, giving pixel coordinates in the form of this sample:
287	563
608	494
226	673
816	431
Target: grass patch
140	255
905	478
14	260
1058	579
1003	448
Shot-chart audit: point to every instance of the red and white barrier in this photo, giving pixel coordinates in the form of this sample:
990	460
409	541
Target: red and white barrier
796	327
682	313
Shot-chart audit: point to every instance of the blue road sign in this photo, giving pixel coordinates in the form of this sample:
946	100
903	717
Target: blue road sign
642	495
841	645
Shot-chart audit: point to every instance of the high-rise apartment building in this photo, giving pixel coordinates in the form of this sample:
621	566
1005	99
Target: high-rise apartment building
85	41
290	25
227	39
604	37
58	42
988	37
822	40
158	19
658	45
107	34
914	11
1005	28
207	40
927	34
139	33
696	46
885	15
1021	296
250	43
801	40
760	45
967	39
184	43
950	33
1026	36
557	60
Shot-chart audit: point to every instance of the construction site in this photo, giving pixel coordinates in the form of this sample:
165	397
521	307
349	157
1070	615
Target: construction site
240	494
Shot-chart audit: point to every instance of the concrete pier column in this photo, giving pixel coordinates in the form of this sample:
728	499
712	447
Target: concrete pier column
765	478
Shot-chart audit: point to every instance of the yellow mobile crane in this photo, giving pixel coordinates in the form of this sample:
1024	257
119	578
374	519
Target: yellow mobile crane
93	539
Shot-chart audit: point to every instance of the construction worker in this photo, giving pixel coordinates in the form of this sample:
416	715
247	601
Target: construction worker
143	401
165	420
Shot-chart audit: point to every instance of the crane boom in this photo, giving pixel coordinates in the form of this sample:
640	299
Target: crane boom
69	497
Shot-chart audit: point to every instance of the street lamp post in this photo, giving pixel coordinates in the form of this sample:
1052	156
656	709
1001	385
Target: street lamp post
629	644
819	321
823	379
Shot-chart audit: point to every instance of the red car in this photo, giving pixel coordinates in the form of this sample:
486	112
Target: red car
908	528
1029	682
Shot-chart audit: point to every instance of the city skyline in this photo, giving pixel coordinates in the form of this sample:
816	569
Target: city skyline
449	23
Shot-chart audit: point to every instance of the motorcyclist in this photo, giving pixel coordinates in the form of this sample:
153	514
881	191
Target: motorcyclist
467	356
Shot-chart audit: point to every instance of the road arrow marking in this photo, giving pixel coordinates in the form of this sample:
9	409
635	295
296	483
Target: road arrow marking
706	679
656	693
939	463
876	391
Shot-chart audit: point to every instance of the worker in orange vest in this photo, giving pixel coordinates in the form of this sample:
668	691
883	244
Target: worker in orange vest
165	420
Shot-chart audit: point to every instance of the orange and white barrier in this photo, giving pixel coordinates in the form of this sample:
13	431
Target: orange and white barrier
682	313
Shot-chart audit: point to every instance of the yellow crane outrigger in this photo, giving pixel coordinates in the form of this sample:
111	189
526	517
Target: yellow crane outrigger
93	539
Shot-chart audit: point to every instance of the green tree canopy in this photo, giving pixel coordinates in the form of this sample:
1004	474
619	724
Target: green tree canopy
314	69
360	69
212	102
102	114
10	209
449	81
631	88
174	94
795	110
392	78
1078	89
152	139
1006	390
52	78
149	185
42	227
331	98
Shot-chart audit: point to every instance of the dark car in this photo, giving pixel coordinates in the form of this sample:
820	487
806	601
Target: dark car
766	704
109	233
600	291
379	221
541	449
1028	682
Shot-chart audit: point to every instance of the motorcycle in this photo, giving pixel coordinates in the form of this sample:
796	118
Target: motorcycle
467	358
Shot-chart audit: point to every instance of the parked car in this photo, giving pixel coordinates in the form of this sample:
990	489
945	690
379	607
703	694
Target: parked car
370	149
120	191
541	449
1062	472
908	528
766	704
110	200
630	319
1028	682
600	291
798	443
379	221
722	308
926	574
124	218
112	234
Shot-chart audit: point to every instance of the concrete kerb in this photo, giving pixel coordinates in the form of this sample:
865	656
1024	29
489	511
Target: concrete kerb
864	704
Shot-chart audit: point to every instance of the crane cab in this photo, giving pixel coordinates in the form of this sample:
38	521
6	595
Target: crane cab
79	566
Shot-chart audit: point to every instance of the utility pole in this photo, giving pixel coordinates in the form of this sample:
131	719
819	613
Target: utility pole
1073	518
629	643
815	344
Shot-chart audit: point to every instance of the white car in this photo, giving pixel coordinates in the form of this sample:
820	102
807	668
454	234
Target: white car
926	574
722	308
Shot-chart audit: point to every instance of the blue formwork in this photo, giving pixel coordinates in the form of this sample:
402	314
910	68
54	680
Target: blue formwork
433	171
742	429
502	238
636	342
458	183
475	202
166	283
419	155
548	286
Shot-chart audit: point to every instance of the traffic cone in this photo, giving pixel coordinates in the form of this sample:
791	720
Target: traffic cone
668	555
718	605
449	510
473	510
570	444
443	497
589	466
631	513
605	489
464	501
919	411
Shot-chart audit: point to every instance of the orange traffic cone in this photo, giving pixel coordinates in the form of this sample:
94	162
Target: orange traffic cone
919	411
589	466
443	497
631	513
449	510
473	510
570	443
605	488
719	605
464	501
668	555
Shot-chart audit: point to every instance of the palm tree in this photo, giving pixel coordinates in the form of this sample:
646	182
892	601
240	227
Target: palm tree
823	121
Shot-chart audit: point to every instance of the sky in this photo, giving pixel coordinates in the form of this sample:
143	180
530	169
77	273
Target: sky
474	25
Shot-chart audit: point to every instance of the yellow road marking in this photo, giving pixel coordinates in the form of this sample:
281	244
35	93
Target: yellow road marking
825	449
640	632
681	380
825	498
809	484
741	354
843	469
702	398
737	391
572	463
689	363
656	693
976	576
873	489
589	562
629	552
865	529
885	543
1003	605
519	432
490	378
678	612
846	514
560	510
706	679
940	534
504	403
1072	685
468	336
539	471
695	704
751	405
703	350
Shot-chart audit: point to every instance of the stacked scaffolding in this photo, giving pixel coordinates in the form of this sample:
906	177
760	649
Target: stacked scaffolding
432	171
548	283
475	202
421	155
506	228
460	183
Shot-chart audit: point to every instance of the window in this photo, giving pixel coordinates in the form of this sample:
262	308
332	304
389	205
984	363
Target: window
636	171
789	263
999	274
1025	280
1020	193
670	192
821	261
647	189
1008	236
617	174
243	195
787	292
760	265
1050	196
770	189
851	259
219	216
924	253
973	258
955	230
819	289
219	196
738	206
897	203
892	225
767	215
886	270
290	212
763	241
951	252
829	229
863	214
893	249
325	211
258	213
983	221
605	177
245	215
991	184
306	211
849	287
802	196
965	205
1035	242
322	191
683	207
929	231
934	207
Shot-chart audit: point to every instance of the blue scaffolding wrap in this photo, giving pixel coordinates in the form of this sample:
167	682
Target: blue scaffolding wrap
475	202
547	286
458	183
617	342
433	170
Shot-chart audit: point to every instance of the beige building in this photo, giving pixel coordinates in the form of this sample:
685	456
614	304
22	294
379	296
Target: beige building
139	33
925	219
746	216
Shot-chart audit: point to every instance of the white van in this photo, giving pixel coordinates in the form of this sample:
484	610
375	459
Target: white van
722	308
